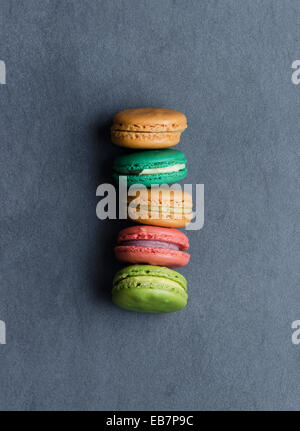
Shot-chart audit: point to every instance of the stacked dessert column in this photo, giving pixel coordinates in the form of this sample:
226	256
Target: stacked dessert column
149	285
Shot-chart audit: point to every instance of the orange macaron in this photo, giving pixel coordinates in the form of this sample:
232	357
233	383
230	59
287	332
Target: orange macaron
165	207
148	128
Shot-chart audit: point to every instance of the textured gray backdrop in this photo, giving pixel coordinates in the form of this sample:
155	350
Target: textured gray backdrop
70	66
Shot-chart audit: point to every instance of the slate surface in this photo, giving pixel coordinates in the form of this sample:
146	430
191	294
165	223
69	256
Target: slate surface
70	66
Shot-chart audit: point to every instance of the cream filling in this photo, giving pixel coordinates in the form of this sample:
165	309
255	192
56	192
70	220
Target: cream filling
164	170
170	210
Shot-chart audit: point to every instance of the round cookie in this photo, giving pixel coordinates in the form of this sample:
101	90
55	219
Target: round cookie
165	207
149	289
148	128
152	245
151	167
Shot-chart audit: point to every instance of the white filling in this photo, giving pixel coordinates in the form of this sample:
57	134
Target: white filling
170	210
166	169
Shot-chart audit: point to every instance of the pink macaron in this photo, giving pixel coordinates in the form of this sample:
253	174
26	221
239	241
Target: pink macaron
153	245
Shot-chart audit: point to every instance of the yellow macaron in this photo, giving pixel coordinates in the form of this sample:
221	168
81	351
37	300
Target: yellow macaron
145	128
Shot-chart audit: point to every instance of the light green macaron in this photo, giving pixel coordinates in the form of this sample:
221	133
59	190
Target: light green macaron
149	289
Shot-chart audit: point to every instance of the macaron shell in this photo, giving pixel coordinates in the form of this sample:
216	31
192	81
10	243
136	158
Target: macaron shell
152	256
148	270
149	300
155	218
157	196
148	180
171	223
149	293
145	141
154	233
149	120
148	160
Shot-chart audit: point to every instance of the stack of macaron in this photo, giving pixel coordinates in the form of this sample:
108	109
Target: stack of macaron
152	248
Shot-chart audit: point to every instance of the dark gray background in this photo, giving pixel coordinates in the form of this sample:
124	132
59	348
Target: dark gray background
70	66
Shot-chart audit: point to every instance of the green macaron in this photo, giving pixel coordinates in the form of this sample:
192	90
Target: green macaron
149	289
151	167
